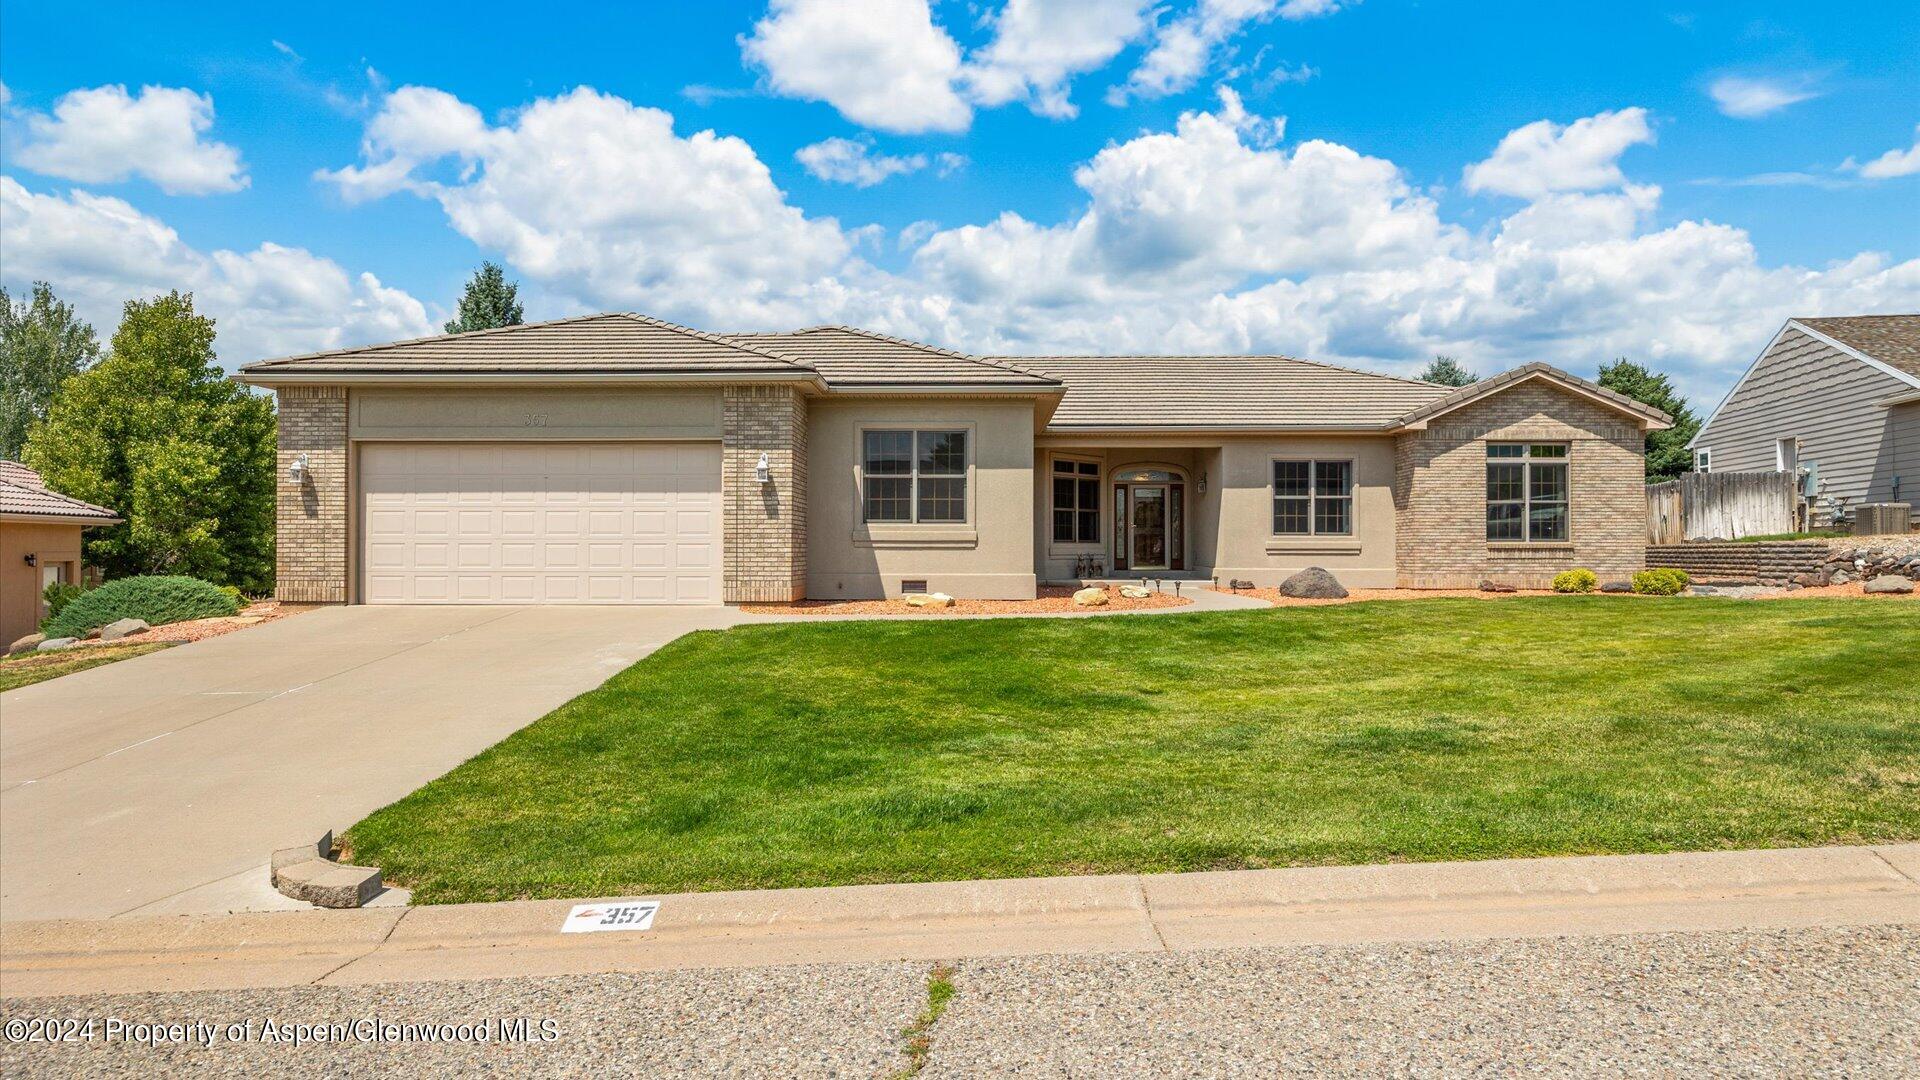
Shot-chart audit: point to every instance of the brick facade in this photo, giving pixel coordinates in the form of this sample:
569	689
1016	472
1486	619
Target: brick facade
765	546
311	527
1439	492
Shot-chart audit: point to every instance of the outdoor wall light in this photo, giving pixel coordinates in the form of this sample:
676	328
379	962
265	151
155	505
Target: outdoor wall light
1201	487
763	472
297	472
32	559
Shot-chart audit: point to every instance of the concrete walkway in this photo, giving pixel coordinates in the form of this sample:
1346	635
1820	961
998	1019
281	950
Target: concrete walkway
161	784
1836	886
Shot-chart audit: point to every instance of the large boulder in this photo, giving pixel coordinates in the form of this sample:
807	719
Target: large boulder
120	628
52	644
1313	583
1091	597
1135	592
26	644
1887	583
932	600
1490	585
1617	587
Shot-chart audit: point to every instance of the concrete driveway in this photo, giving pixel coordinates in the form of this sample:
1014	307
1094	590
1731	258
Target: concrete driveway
161	784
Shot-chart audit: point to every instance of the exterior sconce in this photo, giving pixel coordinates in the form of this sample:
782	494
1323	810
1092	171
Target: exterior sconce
33	559
763	472
1201	487
297	472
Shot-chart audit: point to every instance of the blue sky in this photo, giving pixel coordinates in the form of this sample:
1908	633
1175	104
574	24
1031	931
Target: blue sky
1366	183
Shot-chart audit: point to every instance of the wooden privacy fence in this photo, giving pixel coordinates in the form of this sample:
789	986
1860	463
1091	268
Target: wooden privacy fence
1722	506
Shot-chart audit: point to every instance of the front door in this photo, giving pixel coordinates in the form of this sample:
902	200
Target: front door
1148	527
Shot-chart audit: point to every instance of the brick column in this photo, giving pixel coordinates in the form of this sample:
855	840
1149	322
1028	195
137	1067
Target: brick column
765	542
311	527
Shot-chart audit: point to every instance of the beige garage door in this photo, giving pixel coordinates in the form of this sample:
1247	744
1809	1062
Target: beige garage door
540	523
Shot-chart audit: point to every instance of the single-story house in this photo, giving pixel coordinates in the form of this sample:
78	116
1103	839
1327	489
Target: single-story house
617	458
39	545
1836	399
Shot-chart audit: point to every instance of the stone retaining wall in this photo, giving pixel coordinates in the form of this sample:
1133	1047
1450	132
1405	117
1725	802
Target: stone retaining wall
1768	563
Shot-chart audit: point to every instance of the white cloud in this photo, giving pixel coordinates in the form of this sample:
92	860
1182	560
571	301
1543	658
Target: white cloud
99	252
105	135
1184	46
1748	98
882	63
1544	157
1893	163
1039	45
846	161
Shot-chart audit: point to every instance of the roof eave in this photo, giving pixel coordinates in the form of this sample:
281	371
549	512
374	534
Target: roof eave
58	519
522	378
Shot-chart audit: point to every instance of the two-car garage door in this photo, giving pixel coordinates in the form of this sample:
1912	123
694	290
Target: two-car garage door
540	523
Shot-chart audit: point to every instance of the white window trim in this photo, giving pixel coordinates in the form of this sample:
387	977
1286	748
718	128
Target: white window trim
1313	496
1099	543
867	531
1526	461
1703	459
1780	454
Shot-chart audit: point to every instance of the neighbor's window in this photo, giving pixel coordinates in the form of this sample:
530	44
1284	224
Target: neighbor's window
1313	498
1526	492
1076	502
1703	460
915	476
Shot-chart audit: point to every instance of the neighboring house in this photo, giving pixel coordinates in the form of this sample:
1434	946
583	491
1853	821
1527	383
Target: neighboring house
620	459
1838	398
39	545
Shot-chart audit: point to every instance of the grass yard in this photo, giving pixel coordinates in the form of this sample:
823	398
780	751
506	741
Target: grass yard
29	668
1416	730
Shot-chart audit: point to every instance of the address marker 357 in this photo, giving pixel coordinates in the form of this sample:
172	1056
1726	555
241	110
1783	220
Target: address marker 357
594	918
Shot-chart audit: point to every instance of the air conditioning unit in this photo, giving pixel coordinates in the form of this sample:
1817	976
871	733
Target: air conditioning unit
1880	519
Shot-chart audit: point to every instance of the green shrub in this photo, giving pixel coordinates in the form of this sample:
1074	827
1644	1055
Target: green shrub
59	594
158	600
239	598
1579	579
1665	581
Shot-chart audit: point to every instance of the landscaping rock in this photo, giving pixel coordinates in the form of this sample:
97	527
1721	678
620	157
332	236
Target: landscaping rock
91	635
1092	597
26	644
1840	577
1313	583
936	600
1135	592
1617	587
1240	583
56	643
1490	585
1888	583
120	628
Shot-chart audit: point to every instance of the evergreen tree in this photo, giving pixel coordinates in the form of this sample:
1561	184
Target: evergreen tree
157	433
1447	371
490	301
1667	453
42	345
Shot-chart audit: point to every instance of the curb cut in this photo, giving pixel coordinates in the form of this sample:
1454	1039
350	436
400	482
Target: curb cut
309	873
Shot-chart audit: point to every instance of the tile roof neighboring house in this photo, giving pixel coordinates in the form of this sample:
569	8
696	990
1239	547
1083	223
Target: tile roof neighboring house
613	343
1893	340
849	356
23	496
1465	395
1210	392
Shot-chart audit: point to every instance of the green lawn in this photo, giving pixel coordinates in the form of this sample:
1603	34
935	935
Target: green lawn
1415	730
29	668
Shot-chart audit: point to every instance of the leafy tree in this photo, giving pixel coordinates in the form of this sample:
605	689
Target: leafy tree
490	300
157	433
42	345
1447	371
1667	453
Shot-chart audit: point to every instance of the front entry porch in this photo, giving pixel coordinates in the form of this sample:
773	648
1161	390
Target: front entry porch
1122	514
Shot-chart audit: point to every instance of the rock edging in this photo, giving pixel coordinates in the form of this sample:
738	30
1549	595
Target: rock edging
309	873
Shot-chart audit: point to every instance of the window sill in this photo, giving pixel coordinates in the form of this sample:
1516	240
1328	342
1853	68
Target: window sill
912	536
1312	545
1530	545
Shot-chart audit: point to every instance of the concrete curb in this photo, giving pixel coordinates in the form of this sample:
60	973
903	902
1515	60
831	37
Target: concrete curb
309	873
1508	898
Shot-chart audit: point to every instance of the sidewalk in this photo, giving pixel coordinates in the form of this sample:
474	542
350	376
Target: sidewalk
1834	886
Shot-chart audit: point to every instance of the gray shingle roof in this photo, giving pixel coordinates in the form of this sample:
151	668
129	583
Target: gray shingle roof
849	356
613	343
1224	392
23	495
1894	340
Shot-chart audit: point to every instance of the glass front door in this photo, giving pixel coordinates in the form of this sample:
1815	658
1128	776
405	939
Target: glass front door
1148	530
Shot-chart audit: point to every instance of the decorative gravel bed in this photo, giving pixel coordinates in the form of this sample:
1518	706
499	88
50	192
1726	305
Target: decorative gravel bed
1354	596
198	629
1051	598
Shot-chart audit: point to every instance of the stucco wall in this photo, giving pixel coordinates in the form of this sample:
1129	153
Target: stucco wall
1440	492
50	545
990	556
1248	548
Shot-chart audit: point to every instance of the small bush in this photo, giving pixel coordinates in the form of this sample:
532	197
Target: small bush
239	598
158	600
58	595
1579	579
1665	581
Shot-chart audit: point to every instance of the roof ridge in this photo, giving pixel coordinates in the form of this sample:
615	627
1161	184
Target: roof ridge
861	331
706	335
1227	356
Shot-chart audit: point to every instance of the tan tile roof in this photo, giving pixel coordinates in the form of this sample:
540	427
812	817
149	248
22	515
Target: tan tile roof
1453	399
613	343
1224	392
1893	340
22	494
848	356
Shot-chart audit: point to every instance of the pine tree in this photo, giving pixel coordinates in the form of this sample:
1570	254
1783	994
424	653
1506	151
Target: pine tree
1447	371
1667	453
490	301
42	345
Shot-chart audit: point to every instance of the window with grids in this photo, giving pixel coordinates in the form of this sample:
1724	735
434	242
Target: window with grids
1076	502
915	476
1313	498
1526	492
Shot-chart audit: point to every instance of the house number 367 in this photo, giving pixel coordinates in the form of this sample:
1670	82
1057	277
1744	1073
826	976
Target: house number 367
536	419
